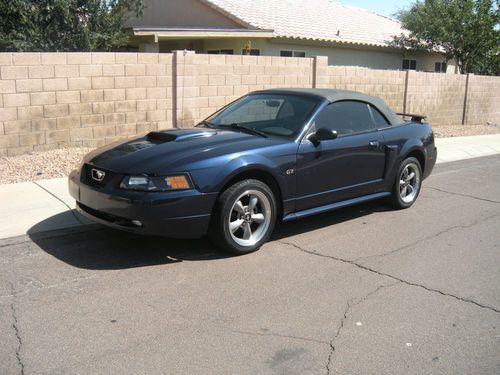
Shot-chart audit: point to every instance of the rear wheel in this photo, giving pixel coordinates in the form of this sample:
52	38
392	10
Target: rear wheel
408	183
244	217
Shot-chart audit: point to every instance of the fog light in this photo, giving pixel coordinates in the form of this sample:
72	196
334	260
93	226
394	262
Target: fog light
137	223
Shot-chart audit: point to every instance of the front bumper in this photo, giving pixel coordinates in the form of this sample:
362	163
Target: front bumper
181	214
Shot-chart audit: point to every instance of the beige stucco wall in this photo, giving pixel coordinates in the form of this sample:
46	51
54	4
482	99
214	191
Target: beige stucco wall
184	13
337	56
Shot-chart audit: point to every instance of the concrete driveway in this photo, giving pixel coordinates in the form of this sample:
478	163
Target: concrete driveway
357	291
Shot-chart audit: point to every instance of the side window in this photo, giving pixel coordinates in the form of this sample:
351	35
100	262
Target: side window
346	117
379	118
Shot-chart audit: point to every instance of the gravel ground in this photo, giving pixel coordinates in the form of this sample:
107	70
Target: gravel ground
462	130
40	165
58	163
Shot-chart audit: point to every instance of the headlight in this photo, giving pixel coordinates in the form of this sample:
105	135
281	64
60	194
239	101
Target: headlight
156	183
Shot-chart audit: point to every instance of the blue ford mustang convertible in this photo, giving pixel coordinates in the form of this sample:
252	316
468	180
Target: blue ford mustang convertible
271	155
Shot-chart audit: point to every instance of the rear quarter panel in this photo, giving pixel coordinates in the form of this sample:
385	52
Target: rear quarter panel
408	138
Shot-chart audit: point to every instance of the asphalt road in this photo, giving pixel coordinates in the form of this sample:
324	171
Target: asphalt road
364	290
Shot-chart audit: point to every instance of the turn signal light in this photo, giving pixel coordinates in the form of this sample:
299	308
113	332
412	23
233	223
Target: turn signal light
177	182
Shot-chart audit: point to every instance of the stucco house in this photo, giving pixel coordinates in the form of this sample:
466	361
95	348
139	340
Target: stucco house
349	36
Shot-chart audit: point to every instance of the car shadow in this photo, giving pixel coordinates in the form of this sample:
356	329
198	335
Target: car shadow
96	247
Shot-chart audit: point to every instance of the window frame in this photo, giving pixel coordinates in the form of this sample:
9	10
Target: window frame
222	51
410	61
371	107
313	129
293	53
252	49
442	65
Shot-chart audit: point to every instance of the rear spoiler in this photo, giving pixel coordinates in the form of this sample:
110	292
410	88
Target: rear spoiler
414	118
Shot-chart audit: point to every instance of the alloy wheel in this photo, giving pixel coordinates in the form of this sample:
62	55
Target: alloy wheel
249	218
409	183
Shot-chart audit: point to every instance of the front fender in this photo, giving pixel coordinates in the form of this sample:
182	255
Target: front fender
216	173
257	163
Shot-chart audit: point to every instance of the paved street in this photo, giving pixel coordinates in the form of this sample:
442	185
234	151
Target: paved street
362	290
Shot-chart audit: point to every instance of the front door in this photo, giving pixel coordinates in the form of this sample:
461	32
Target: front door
351	165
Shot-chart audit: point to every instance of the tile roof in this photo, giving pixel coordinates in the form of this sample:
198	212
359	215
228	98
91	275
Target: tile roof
320	20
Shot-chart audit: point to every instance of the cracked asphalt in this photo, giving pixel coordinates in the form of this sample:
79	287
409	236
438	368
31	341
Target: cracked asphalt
363	290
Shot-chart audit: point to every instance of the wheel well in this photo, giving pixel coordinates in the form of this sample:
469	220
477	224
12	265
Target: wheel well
419	155
260	175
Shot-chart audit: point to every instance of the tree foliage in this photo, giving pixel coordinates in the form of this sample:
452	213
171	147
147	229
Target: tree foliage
65	25
466	31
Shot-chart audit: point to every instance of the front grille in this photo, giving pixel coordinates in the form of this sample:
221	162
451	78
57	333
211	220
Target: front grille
108	217
91	178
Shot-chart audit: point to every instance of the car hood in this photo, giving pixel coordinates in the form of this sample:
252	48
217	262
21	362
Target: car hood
172	150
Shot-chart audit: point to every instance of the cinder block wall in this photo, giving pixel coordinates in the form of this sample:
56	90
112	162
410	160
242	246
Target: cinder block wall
483	100
439	96
51	100
386	84
205	83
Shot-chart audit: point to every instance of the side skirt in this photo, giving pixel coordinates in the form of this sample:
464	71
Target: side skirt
334	206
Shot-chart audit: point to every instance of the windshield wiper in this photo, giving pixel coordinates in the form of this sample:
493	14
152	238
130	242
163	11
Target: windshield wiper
209	124
244	128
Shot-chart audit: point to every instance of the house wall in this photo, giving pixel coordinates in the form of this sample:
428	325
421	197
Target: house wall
182	14
337	56
51	100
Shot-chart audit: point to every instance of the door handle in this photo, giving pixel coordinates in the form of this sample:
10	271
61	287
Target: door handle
374	143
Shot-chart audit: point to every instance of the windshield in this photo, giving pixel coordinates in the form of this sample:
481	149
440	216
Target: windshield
274	114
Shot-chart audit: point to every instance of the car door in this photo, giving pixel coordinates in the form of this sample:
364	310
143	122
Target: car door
350	165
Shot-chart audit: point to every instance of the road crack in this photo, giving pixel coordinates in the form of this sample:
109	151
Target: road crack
409	283
462	195
435	235
15	326
350	303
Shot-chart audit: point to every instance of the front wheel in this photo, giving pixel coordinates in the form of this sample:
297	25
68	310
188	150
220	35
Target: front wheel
244	217
408	183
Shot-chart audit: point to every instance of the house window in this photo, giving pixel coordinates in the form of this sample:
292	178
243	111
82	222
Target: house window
409	64
253	52
292	54
220	52
440	67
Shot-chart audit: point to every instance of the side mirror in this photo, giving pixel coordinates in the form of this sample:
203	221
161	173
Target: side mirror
322	134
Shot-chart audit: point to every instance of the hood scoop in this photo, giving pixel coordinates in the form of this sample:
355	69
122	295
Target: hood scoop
160	137
183	135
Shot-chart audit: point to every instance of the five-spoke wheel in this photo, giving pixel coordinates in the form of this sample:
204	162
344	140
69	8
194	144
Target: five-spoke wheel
249	217
407	184
244	216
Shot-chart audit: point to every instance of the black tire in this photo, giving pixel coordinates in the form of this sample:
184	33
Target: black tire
225	214
396	199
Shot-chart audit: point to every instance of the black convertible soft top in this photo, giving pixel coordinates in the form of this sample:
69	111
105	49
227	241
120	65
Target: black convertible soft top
333	95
